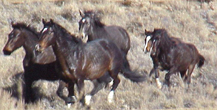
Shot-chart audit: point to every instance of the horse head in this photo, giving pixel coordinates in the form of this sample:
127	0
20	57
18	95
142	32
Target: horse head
15	39
89	20
46	36
152	41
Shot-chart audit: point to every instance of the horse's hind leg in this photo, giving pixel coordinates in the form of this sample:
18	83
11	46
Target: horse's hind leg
183	74
97	86
116	81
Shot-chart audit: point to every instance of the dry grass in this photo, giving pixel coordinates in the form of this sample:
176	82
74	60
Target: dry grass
191	21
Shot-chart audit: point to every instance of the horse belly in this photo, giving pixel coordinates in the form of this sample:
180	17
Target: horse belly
96	72
96	68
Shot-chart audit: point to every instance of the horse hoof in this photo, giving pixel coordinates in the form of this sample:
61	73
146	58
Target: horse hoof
159	84
69	105
87	99
110	97
70	100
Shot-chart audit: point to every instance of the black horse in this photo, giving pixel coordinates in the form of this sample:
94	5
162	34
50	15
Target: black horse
171	54
90	26
42	68
80	61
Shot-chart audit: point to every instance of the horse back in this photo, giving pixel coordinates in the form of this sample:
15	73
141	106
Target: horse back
119	36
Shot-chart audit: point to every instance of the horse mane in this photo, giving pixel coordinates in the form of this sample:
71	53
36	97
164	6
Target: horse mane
164	36
95	17
65	33
24	26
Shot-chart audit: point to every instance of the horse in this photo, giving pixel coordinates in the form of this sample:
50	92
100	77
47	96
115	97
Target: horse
38	66
80	61
171	54
91	27
42	68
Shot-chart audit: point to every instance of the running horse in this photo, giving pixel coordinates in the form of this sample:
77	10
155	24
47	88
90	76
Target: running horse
42	68
91	27
80	61
39	66
171	54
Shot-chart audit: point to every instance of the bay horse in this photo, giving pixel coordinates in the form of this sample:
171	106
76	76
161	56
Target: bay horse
80	61
91	27
42	68
171	54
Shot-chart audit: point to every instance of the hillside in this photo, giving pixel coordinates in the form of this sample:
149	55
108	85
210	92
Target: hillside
190	20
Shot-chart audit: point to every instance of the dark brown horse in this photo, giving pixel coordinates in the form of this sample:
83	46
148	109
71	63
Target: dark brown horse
171	54
91	27
78	61
42	68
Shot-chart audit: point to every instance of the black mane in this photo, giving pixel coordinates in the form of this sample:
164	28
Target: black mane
165	36
24	26
95	17
65	33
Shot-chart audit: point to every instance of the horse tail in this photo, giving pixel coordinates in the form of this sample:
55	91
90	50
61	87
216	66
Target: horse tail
133	76
201	61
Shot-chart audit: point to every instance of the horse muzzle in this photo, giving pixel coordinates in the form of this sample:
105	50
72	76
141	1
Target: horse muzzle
6	52
145	51
83	36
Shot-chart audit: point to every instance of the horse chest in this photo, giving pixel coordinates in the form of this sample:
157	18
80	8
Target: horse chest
165	61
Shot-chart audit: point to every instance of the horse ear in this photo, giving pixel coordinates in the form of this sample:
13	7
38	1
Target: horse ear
43	21
81	13
12	23
51	20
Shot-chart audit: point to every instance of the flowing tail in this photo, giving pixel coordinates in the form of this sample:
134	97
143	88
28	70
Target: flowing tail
133	76
201	61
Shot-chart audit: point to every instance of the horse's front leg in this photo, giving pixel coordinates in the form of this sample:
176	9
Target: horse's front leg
80	85
27	89
155	70
159	84
60	89
71	99
167	76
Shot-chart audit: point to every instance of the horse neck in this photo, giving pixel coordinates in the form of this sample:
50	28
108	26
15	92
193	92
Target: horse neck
67	42
96	32
64	47
166	43
30	41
